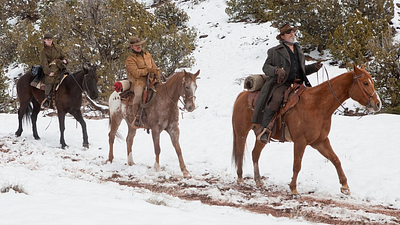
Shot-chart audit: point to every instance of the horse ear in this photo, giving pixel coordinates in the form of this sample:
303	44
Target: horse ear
354	67
184	71
362	67
197	73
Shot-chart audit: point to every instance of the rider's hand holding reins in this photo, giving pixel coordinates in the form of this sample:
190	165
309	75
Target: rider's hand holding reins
281	74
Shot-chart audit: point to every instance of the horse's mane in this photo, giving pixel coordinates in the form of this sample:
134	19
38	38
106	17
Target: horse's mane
174	77
335	78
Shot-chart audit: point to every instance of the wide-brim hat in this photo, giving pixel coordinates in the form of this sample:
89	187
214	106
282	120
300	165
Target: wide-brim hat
284	29
48	36
134	40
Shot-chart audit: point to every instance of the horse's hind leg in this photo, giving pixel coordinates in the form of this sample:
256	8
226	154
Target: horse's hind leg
258	147
114	124
35	112
326	150
21	112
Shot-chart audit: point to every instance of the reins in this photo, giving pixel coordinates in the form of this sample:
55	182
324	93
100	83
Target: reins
333	92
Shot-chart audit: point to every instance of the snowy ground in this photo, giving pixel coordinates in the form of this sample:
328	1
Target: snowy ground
76	186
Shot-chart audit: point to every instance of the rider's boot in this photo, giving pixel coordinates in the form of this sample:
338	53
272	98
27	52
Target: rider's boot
266	132
135	123
47	96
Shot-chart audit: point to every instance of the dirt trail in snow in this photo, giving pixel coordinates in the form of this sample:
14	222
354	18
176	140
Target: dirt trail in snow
272	200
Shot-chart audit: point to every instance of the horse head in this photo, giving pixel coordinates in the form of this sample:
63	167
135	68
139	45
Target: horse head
188	92
363	90
90	82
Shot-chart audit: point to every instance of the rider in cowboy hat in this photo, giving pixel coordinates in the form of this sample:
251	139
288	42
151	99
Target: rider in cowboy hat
139	65
284	65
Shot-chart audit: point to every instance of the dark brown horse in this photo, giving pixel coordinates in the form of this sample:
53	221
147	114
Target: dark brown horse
68	100
308	123
161	114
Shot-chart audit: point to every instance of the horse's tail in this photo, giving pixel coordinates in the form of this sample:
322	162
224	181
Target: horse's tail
237	156
240	129
28	113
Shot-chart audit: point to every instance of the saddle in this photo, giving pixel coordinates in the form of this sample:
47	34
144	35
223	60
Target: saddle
290	99
147	99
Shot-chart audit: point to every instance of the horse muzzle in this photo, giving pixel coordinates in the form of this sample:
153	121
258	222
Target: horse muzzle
374	104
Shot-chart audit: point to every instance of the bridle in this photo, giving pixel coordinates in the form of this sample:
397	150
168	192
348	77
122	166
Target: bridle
355	80
184	95
365	93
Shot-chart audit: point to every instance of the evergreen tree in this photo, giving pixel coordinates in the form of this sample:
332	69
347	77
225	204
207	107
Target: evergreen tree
349	41
93	32
249	10
385	69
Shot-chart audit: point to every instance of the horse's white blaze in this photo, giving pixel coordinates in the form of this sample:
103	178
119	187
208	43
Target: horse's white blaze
193	88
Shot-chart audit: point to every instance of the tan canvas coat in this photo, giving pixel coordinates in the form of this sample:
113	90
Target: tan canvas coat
136	68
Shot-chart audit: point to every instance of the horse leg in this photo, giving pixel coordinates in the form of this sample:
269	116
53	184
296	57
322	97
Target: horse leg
174	135
78	116
61	122
299	147
21	113
156	142
258	147
325	148
35	112
114	124
129	143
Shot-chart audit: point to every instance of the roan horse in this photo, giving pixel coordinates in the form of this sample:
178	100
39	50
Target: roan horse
161	114
308	123
68	100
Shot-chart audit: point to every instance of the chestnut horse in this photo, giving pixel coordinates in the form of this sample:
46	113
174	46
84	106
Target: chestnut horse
308	123
161	114
68	100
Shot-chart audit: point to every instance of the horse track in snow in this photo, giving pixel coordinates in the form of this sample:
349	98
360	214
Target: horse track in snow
269	200
212	189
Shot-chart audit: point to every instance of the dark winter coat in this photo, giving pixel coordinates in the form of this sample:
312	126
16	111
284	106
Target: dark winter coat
278	56
51	61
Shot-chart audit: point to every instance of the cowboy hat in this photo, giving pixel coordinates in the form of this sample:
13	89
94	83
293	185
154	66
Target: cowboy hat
284	29
134	40
48	36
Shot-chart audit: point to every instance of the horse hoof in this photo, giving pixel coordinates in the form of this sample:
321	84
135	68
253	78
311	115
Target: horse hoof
345	190
186	174
259	184
296	196
240	181
85	145
157	167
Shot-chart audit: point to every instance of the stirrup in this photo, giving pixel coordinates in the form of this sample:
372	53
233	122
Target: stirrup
264	131
135	124
44	101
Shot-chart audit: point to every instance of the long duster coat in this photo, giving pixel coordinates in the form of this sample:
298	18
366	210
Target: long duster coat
51	61
136	68
278	56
